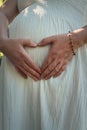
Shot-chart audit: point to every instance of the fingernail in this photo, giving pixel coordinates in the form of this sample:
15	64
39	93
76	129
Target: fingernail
47	77
36	79
39	44
39	78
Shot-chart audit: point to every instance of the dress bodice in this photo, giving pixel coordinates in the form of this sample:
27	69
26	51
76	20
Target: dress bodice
79	4
24	3
67	9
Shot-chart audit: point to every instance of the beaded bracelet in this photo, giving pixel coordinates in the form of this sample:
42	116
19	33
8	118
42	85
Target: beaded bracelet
71	42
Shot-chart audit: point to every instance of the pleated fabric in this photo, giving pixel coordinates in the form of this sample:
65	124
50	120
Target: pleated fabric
55	104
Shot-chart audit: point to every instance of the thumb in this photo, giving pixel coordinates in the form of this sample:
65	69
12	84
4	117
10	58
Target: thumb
29	43
46	41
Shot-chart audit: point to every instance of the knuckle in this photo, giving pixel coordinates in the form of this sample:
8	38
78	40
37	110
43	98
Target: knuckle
49	60
34	73
66	62
56	69
44	40
29	75
54	55
49	68
45	72
55	63
21	55
20	41
64	67
30	40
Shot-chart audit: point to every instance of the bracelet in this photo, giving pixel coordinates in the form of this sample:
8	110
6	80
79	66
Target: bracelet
71	42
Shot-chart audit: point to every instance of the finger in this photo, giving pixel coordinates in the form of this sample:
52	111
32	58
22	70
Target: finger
55	70
24	73
60	71
46	41
47	62
50	59
49	69
21	72
50	75
31	71
29	43
31	63
62	67
33	77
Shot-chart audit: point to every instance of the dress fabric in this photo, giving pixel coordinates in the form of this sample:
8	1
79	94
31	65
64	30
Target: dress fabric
55	104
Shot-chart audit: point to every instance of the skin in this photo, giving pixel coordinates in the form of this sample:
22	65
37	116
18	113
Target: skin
20	59
59	55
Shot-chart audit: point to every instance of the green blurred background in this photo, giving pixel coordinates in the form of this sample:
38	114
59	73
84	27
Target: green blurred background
1	2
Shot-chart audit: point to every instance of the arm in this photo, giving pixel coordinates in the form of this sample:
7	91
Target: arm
7	13
61	53
20	59
79	37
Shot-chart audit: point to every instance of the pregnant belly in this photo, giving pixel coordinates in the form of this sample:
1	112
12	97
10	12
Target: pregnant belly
36	23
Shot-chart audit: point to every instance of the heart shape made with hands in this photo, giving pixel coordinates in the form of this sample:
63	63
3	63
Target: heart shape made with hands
39	54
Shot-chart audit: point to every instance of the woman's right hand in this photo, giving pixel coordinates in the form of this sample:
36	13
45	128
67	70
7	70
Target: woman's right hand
14	50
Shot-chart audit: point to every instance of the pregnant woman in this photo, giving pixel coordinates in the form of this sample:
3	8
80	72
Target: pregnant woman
43	74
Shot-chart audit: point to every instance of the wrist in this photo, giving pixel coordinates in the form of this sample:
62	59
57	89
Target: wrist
69	35
79	38
3	42
77	42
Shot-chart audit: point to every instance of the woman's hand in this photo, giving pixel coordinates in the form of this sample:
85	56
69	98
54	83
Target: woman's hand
59	56
14	50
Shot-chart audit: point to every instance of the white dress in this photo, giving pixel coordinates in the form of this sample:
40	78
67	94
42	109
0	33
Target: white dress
54	104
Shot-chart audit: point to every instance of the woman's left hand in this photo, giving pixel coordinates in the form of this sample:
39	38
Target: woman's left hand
59	56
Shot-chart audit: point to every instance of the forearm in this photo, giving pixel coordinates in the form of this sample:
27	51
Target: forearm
79	37
7	13
3	28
